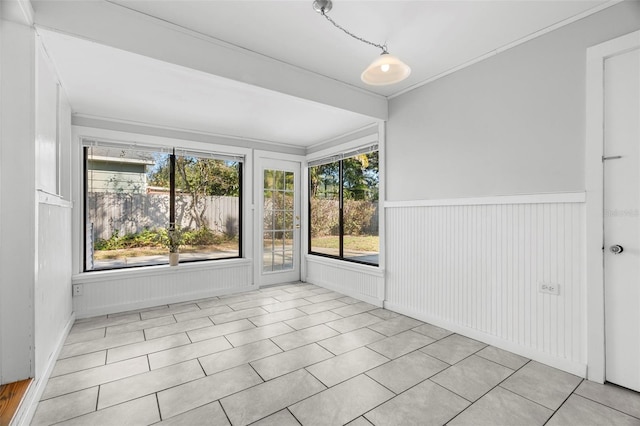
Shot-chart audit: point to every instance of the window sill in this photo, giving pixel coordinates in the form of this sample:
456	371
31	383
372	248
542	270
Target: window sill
343	264
149	271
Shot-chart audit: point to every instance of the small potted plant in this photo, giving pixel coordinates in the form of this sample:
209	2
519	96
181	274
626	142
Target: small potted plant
173	241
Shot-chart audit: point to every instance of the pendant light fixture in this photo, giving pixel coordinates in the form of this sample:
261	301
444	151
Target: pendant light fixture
387	69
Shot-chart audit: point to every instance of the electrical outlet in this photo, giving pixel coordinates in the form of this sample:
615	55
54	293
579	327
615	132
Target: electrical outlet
77	289
549	288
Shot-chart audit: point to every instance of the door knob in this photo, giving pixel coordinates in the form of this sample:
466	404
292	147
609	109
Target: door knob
616	249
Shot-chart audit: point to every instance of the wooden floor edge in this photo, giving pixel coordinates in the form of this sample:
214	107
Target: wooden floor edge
11	395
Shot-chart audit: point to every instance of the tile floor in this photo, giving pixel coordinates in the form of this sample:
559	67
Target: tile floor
300	354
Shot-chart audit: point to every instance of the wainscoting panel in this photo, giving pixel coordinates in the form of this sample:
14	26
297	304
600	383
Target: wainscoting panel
361	282
118	291
478	269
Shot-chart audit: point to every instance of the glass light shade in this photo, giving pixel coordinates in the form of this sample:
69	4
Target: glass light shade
387	69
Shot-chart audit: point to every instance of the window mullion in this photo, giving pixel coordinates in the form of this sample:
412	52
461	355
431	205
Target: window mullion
341	210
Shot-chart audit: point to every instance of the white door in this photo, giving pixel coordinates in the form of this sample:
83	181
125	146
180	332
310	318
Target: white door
279	260
622	218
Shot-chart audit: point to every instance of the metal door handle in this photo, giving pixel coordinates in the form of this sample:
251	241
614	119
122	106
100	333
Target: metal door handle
616	249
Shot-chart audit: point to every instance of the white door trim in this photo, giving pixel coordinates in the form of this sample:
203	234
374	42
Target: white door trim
594	332
258	157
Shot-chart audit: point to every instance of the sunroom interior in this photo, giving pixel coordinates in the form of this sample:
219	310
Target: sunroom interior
241	134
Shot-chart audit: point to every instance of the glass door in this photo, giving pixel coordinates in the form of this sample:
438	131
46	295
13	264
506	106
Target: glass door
280	230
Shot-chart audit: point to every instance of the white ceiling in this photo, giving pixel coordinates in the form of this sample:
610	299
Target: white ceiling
431	36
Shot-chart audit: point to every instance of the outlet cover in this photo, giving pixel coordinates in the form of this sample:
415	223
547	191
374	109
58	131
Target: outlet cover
549	288
77	289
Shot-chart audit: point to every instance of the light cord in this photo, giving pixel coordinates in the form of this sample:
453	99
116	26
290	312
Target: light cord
379	46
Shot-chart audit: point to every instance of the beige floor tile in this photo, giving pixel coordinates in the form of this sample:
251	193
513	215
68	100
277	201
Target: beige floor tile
281	418
342	403
324	297
304	337
140	325
236	315
354	322
400	344
585	412
65	407
258	333
502	407
143	411
86	324
407	371
169	311
384	314
77	363
186	352
354	309
219	330
286	362
352	340
94	376
424	404
238	356
210	414
472	377
267	398
542	384
201	313
178	327
147	383
253	303
360	421
345	366
83	336
395	325
621	399
321	307
453	348
188	396
313	319
432	331
116	340
276	317
283	306
295	296
147	347
502	357
349	300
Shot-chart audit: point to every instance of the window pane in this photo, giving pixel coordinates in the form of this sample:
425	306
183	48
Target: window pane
126	213
325	208
208	208
127	198
360	208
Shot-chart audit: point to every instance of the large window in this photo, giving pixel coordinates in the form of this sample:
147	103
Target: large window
343	207
138	200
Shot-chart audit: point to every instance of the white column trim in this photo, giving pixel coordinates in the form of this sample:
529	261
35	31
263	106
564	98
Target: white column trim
594	329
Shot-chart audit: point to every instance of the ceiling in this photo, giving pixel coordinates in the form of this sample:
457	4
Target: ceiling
431	36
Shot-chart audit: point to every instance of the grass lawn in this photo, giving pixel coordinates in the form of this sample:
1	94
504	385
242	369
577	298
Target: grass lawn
369	243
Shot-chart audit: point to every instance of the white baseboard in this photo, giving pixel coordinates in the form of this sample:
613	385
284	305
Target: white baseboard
346	291
29	403
572	367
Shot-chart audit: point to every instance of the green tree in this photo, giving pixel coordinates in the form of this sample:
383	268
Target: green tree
199	178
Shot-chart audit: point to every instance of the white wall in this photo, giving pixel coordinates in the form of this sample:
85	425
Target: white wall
475	266
17	202
458	254
511	124
52	294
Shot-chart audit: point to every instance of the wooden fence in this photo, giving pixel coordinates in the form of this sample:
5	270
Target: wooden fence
131	213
